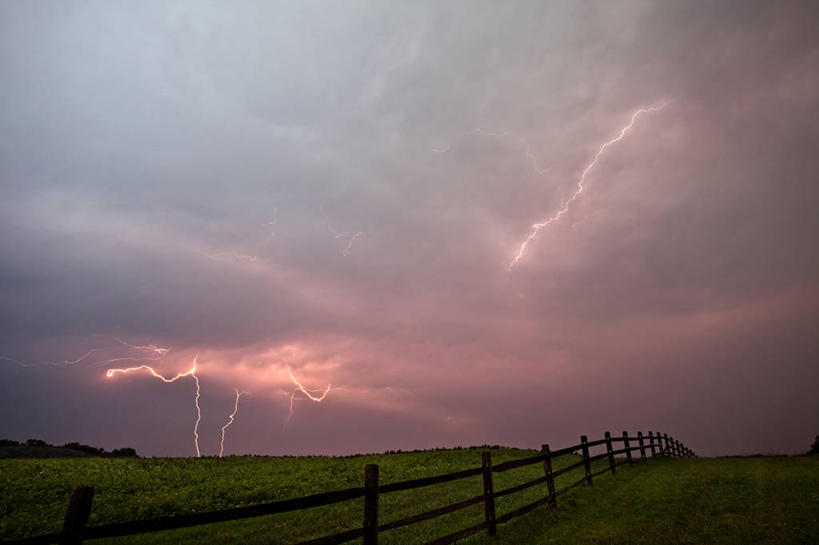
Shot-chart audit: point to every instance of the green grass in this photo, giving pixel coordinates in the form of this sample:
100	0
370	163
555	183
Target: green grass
729	500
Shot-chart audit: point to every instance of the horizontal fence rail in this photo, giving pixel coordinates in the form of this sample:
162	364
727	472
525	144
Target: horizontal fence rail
636	449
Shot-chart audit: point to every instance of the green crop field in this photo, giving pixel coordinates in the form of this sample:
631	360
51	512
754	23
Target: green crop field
726	500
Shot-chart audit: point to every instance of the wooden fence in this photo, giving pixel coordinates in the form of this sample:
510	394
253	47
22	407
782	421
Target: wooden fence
76	529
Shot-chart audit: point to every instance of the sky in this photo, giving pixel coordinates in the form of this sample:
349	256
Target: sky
338	190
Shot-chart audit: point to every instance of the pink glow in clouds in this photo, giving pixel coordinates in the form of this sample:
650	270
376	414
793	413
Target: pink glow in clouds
194	181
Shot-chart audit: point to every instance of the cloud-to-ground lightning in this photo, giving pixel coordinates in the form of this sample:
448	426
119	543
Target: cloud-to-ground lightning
311	395
580	184
230	421
190	372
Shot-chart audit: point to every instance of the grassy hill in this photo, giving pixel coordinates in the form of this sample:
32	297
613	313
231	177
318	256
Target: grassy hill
726	500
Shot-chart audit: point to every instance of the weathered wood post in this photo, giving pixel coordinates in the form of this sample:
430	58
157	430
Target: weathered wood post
666	450
642	446
488	494
627	447
610	452
651	444
679	452
586	462
371	504
550	480
76	517
660	443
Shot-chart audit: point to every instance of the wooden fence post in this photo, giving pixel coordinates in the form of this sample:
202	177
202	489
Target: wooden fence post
660	443
371	504
642	446
488	493
679	451
609	452
651	444
550	480
627	447
586	462
666	449
76	517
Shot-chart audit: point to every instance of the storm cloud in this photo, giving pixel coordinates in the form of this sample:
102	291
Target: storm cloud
339	188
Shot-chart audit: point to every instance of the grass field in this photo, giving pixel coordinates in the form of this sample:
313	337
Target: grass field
726	500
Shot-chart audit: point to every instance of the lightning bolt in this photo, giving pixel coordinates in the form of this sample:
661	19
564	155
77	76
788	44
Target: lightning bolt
341	234
318	398
271	223
60	363
231	417
148	347
257	247
190	372
346	251
235	255
527	149
522	142
78	360
18	362
580	184
198	410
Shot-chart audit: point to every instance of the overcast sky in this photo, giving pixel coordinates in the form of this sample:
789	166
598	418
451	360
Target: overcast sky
339	188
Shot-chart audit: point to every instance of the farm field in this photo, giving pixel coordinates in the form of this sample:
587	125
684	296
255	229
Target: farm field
725	500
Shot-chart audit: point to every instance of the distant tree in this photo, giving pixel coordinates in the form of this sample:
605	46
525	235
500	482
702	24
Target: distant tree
94	451
814	449
9	443
124	452
36	443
